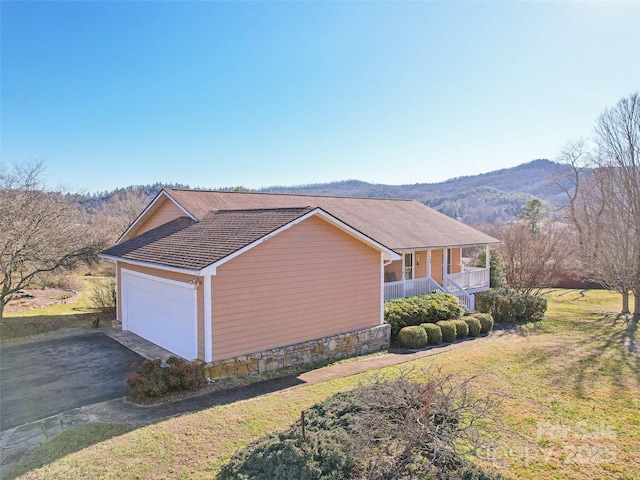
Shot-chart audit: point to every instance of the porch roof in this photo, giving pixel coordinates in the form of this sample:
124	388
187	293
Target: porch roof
397	224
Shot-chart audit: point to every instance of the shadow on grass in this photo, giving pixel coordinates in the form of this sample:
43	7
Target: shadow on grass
74	440
66	443
16	328
604	352
524	329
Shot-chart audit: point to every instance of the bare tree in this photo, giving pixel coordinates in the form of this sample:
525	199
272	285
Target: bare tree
532	261
119	212
40	231
603	195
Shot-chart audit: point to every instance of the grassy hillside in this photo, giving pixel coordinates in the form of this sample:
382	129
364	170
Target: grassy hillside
568	392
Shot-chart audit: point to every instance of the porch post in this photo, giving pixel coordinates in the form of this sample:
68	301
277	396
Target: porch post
382	289
487	256
402	277
429	263
445	262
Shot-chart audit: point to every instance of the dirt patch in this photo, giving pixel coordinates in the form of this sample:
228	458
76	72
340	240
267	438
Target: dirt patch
29	299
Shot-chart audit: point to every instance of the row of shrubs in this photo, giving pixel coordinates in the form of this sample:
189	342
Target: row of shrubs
155	378
508	306
503	304
428	308
445	331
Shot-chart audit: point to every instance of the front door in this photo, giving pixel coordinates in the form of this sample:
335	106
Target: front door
408	266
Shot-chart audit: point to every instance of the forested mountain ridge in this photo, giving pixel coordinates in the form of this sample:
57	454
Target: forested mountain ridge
493	197
532	178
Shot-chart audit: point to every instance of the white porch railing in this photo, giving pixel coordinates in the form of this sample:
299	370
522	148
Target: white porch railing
467	300
461	285
474	279
409	288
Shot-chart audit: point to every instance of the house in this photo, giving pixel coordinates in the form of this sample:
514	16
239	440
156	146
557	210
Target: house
254	281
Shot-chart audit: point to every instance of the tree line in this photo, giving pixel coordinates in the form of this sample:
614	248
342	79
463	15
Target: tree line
595	235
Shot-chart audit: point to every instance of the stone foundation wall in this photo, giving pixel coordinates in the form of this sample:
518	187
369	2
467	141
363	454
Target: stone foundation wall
350	344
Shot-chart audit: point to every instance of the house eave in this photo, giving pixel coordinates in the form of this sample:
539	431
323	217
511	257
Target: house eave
439	247
151	205
157	266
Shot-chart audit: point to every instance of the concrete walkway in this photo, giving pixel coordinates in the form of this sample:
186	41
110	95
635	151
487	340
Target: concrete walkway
17	442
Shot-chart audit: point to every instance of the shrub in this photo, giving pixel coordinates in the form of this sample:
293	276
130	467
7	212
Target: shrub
434	333
486	322
506	305
391	428
413	337
427	308
448	329
147	380
154	378
474	325
284	455
462	329
401	313
185	376
103	294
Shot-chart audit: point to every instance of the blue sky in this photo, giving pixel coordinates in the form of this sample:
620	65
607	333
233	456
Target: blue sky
213	94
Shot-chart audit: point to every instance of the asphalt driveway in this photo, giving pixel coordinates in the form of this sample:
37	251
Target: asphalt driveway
48	377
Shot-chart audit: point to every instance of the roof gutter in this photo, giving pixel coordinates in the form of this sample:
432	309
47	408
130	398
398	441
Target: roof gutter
439	247
157	266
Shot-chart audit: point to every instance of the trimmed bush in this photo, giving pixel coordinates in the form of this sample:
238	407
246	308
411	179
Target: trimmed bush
413	337
434	333
474	325
427	308
462	329
509	306
448	329
486	322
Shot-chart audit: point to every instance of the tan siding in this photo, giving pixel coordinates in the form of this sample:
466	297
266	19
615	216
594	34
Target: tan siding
395	266
179	277
421	263
456	259
436	265
309	281
166	212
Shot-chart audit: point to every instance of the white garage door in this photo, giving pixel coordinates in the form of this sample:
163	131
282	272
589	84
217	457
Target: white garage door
162	311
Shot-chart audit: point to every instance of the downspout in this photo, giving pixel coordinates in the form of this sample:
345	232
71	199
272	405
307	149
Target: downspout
383	263
208	314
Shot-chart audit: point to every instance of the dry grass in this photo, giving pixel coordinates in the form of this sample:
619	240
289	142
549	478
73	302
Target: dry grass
569	395
51	318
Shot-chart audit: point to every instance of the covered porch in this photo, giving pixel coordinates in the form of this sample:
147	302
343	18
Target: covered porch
425	271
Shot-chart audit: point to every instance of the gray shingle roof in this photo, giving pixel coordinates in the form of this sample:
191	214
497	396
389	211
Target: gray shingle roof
183	243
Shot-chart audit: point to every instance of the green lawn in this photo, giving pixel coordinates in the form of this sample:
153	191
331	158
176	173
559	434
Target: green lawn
569	398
